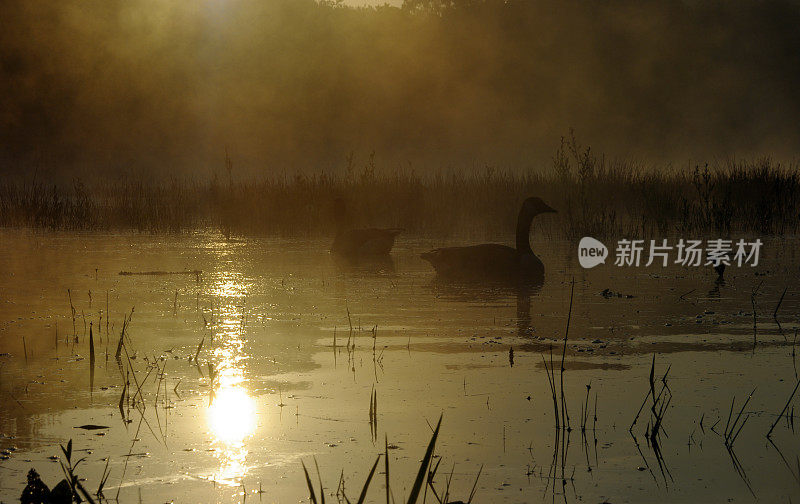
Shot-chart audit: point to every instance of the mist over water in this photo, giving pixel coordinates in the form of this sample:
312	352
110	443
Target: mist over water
240	238
161	88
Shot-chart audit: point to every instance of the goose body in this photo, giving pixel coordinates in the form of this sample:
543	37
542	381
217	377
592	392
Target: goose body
494	262
364	242
487	261
360	243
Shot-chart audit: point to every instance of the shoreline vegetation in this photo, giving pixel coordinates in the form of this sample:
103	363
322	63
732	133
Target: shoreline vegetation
593	195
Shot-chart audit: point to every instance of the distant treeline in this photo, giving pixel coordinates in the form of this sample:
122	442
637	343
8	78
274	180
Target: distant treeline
592	195
162	87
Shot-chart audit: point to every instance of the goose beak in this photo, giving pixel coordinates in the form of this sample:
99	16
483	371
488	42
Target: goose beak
548	209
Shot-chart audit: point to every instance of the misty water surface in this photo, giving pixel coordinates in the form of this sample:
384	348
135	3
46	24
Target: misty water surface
274	318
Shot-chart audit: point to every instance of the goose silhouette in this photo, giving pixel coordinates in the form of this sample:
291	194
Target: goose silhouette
493	262
354	244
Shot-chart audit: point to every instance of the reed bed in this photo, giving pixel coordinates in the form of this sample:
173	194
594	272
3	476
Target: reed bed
594	196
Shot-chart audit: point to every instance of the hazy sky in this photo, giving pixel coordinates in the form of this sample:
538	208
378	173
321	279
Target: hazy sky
359	3
167	87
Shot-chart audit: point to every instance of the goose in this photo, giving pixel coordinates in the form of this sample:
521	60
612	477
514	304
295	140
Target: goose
357	243
494	262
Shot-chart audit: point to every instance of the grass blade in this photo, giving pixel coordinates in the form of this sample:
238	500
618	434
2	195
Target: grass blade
311	493
475	485
423	468
386	460
321	489
363	496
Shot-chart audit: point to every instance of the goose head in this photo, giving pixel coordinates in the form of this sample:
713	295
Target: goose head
534	206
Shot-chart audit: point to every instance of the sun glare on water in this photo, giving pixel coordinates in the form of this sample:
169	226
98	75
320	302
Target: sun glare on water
231	416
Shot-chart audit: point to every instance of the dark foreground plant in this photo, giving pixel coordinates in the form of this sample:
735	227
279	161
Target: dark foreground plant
422	481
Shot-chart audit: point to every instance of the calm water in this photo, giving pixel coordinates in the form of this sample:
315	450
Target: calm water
273	320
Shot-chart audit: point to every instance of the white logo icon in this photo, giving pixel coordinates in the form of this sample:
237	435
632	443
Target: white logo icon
591	252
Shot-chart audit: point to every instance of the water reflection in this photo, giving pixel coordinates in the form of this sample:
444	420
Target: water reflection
493	293
524	327
231	413
231	417
370	265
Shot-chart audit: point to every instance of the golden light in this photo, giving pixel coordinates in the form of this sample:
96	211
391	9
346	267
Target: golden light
231	415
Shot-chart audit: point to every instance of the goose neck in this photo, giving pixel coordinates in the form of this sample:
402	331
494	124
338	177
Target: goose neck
523	232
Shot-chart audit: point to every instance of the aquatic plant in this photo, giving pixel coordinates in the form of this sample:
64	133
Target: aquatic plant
73	481
742	196
422	481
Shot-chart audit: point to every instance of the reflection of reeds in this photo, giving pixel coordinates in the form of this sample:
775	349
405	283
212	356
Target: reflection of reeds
560	408
91	358
125	321
72	309
753	295
731	431
373	414
736	196
783	411
199	347
659	405
563	428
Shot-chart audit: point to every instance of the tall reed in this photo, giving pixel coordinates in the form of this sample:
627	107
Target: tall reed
594	196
